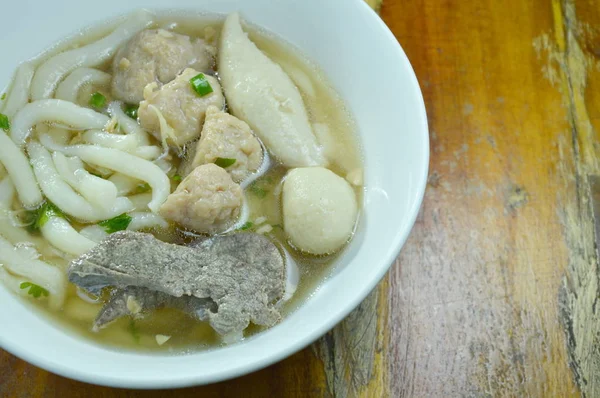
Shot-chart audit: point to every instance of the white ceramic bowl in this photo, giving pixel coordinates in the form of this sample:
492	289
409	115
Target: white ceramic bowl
367	66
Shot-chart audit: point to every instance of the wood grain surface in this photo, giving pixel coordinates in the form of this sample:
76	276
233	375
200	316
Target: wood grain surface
495	294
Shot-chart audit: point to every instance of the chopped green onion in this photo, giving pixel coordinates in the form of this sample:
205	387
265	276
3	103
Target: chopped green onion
37	218
177	178
34	290
201	85
247	225
3	96
97	100
131	111
224	162
4	123
118	223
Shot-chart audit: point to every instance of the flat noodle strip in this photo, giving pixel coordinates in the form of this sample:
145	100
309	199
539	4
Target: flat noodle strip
10	232
63	236
149	152
54	111
123	163
141	220
99	192
94	233
18	95
130	126
51	72
109	140
13	283
19	170
43	274
62	195
17	235
125	185
58	134
68	90
7	192
140	201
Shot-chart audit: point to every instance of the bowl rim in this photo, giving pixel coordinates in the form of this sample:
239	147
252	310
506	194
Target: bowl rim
283	352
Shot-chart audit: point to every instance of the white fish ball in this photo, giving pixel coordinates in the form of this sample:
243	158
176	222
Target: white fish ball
319	210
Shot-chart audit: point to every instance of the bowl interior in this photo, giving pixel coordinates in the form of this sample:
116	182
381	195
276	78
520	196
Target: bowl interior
363	61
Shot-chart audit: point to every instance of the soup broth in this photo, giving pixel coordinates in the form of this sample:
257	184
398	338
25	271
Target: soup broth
335	130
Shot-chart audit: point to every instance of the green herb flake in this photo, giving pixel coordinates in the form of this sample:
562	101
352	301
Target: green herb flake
36	219
34	290
3	96
201	85
224	162
4	123
97	100
131	111
247	225
118	223
177	178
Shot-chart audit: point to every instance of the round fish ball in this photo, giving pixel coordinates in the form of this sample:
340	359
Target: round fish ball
319	210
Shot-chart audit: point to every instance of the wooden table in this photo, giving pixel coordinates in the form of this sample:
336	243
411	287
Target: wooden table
496	292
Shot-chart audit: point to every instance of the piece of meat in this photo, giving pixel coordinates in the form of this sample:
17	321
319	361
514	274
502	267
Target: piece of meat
156	56
226	136
183	109
237	278
135	301
206	201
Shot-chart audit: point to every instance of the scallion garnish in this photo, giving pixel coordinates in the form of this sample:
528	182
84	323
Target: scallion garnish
3	96
177	178
34	290
224	162
4	123
247	225
36	219
131	111
201	85
118	223
97	100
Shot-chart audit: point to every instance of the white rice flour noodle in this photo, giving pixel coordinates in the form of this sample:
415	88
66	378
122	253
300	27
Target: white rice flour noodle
65	168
